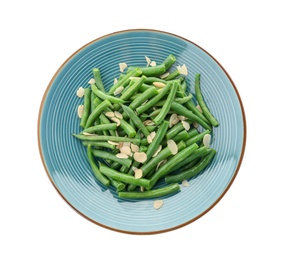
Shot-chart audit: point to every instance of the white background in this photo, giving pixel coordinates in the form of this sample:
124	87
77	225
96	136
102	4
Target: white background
246	37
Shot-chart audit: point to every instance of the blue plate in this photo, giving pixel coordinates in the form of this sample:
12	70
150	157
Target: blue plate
65	159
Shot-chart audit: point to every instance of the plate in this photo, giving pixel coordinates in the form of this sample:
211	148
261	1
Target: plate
65	159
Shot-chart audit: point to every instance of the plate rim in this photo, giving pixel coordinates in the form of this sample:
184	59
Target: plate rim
141	232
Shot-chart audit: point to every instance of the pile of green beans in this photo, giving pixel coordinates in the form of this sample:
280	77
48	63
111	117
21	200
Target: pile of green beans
150	111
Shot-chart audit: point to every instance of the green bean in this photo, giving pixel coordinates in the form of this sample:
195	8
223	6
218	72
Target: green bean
96	128
98	80
105	96
129	130
151	128
160	134
202	103
175	130
144	87
86	107
96	112
115	165
132	98
131	114
200	152
125	79
173	75
149	93
192	107
196	138
92	98
151	71
167	167
105	120
166	107
125	178
150	80
149	194
177	100
192	132
182	135
184	86
169	61
154	100
133	89
112	157
181	110
98	175
99	144
187	174
117	184
107	138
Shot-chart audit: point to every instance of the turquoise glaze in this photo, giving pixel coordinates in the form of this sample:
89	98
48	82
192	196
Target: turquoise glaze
65	159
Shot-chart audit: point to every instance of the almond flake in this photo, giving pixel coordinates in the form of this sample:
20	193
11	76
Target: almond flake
140	157
157	151
199	108
114	143
159	84
138	173
148	122
127	144
115	119
123	66
161	163
173	120
195	124
164	75
122	156
207	140
118	115
185	125
87	134
157	204
152	135
115	80
91	81
120	145
126	150
80	92
185	183
153	63
80	110
148	61
109	114
172	146
182	118
135	148
118	90
182	70
142	189
149	139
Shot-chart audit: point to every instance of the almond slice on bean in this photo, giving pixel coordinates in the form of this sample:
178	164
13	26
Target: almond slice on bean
207	140
195	124
127	144
185	183
87	134
109	114
116	120
182	118
173	120
122	156
118	90
138	173
149	139
80	110
172	146
199	108
115	80
113	143
161	163
91	81
185	125
135	148
153	63
148	122
158	84
157	151
152	135
140	157
164	75
157	204
80	92
118	115
122	66
126	150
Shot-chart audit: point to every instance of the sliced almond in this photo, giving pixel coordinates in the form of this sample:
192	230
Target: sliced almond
127	144
157	204
161	163
126	150
164	75
148	122
120	145
80	110
153	63
207	140
135	148
148	61
185	125
88	134
149	139
195	124
80	92
172	146
144	102
182	118
122	155
142	189
114	143
185	183
118	115
118	90
138	173
109	114
115	80
140	157
182	70
122	66
173	120
157	151
159	84
152	135
199	108
116	120
91	81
